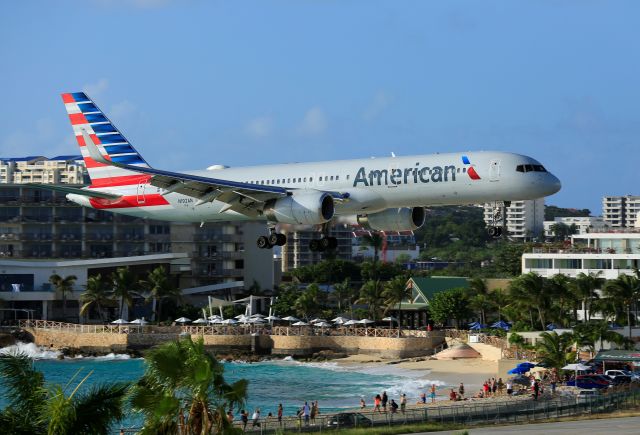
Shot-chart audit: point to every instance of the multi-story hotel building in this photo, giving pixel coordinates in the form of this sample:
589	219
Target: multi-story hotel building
621	211
524	219
583	224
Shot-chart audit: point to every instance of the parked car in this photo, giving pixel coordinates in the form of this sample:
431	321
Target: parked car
591	381
619	376
349	419
587	396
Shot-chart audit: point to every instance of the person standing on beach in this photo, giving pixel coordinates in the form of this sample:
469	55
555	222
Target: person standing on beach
433	393
362	403
461	391
485	389
280	412
393	406
536	389
385	399
314	411
403	403
306	411
244	418
494	386
376	403
230	416
256	418
509	387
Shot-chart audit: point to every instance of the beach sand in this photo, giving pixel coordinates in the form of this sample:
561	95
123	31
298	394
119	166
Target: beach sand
472	371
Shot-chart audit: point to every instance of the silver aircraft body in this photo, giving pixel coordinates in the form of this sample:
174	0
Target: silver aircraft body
383	194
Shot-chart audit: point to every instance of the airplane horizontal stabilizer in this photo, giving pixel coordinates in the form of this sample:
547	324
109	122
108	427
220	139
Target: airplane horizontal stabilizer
75	190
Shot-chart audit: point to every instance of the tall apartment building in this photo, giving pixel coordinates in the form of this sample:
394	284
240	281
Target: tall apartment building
38	169
621	211
524	219
296	252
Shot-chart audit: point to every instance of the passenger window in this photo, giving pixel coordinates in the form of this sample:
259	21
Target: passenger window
320	178
305	179
337	177
348	177
331	178
299	180
310	179
464	170
520	168
288	180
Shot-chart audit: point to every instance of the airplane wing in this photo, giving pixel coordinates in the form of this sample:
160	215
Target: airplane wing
244	198
75	190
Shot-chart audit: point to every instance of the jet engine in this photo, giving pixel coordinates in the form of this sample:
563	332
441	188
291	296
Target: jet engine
303	207
394	219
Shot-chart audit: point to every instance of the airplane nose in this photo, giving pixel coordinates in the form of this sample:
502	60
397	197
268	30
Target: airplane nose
554	184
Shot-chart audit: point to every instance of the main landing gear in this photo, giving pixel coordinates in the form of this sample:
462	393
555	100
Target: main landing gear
273	239
323	244
498	219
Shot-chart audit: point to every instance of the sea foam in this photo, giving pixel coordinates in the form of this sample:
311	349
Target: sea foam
31	350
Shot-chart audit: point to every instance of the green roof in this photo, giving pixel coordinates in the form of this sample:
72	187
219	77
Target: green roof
618	355
425	288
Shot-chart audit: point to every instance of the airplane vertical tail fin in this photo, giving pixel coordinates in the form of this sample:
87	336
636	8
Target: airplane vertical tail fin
85	115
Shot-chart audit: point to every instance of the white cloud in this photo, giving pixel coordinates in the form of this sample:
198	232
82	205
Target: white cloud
260	127
380	102
314	122
96	89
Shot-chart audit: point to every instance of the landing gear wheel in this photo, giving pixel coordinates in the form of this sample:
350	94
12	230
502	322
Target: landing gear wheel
333	243
273	239
494	232
281	239
314	245
324	243
263	242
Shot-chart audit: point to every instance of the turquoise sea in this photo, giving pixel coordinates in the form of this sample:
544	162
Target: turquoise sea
270	382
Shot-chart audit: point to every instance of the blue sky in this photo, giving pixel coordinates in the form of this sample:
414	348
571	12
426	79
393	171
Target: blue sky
194	83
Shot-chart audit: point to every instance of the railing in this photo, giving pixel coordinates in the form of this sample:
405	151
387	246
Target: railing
239	329
516	410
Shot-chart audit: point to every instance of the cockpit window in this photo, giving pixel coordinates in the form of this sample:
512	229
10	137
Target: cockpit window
530	168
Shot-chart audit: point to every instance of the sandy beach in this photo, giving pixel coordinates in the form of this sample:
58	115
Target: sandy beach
472	372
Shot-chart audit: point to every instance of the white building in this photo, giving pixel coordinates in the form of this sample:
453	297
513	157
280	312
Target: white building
525	219
584	224
621	211
38	169
611	254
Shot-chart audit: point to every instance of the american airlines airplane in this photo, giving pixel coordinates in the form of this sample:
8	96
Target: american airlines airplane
381	194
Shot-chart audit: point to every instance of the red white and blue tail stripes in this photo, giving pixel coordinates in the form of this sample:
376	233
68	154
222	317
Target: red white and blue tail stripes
85	115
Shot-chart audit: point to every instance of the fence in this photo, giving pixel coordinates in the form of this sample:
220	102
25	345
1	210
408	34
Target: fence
97	329
466	413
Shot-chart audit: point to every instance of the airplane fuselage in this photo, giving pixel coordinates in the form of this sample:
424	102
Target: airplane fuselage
371	185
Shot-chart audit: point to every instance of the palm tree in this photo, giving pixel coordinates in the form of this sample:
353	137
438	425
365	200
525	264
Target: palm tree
534	291
376	241
584	287
124	286
36	408
395	291
96	295
343	293
371	294
183	391
589	334
159	288
63	285
307	303
554	350
626	289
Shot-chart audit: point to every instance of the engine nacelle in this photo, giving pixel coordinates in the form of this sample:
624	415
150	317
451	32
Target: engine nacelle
303	207
394	219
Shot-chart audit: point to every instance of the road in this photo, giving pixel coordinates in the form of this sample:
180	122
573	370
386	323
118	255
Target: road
617	426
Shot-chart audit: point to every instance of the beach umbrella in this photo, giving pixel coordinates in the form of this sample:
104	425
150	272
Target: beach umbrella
390	319
518	371
339	320
317	320
200	321
139	322
216	321
300	323
257	320
351	322
182	320
257	315
229	322
322	324
272	318
577	367
501	325
291	319
239	316
527	365
476	326
119	322
366	322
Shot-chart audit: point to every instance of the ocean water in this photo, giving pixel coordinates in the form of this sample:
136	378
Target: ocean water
271	382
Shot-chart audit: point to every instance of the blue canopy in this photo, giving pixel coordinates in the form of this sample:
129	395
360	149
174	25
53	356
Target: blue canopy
526	365
476	326
518	370
551	327
501	325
